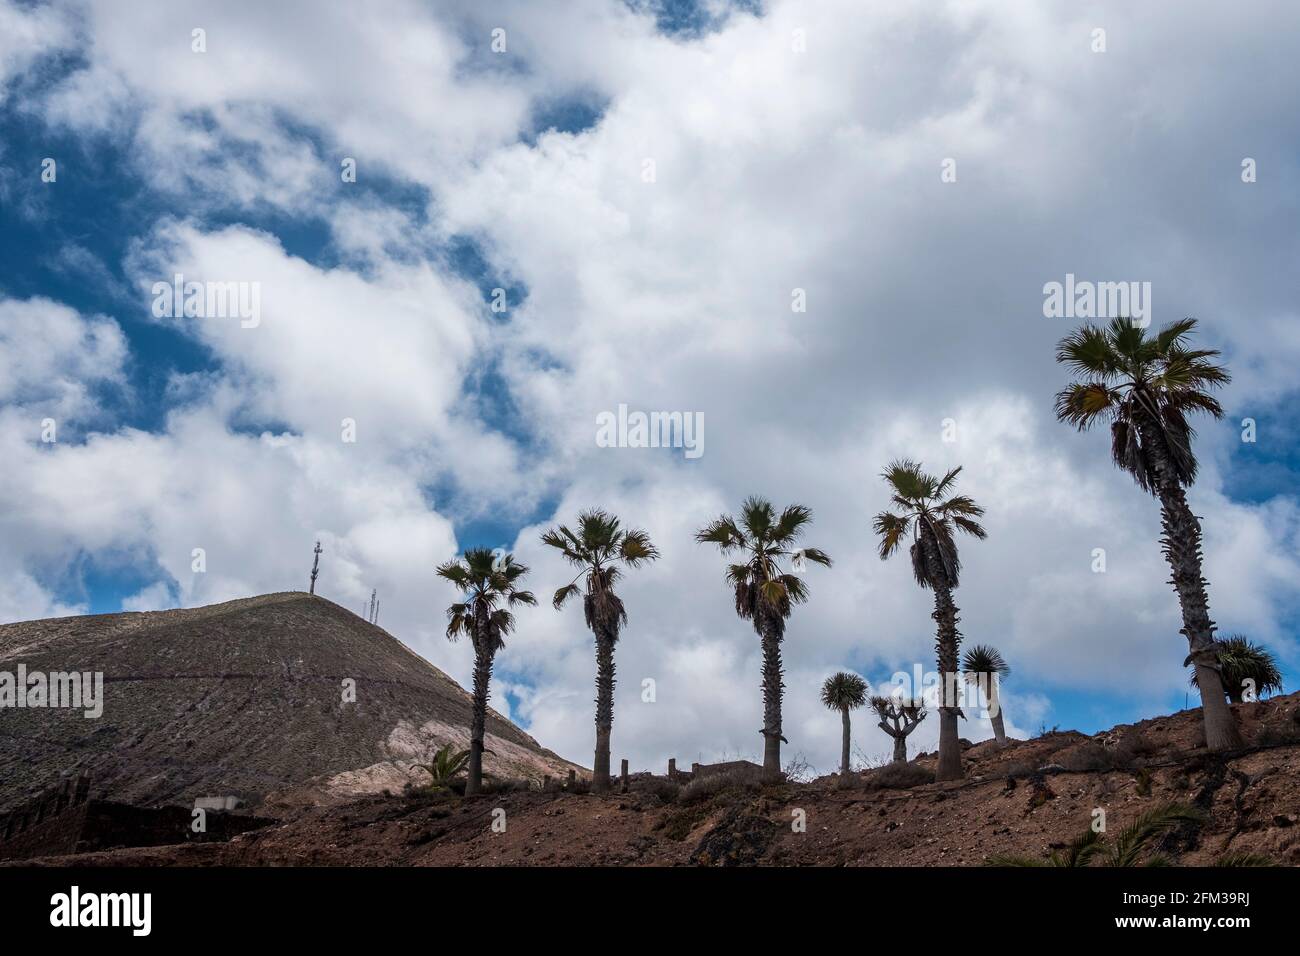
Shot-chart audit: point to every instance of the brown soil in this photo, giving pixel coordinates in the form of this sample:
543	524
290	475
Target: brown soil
1027	799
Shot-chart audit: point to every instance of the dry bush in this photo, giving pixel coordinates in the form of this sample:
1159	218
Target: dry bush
421	794
897	776
512	785
799	770
1277	735
701	788
1092	757
663	788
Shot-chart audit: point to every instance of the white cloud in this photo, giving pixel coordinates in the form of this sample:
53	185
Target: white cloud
775	170
26	34
51	358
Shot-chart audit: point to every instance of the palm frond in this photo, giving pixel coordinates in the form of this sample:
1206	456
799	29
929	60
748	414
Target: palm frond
563	594
724	533
635	548
816	556
1154	823
892	529
985	659
1087	351
1083	404
757	515
790	525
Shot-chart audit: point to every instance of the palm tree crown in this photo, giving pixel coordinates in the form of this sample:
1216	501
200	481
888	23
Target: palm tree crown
766	542
844	691
487	585
1241	659
1145	386
922	509
598	548
983	659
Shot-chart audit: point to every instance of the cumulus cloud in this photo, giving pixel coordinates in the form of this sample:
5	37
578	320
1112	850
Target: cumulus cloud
796	152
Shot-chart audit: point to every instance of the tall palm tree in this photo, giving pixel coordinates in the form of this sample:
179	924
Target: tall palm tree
766	593
600	549
844	692
984	666
931	519
1145	387
1243	660
488	588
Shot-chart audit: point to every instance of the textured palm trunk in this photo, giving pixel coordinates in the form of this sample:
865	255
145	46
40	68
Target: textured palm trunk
604	711
995	711
844	747
772	690
482	679
900	749
1182	547
947	643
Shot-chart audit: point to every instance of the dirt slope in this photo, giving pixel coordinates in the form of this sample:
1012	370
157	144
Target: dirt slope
1030	798
243	698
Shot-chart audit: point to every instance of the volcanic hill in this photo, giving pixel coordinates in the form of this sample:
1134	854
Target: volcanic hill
244	698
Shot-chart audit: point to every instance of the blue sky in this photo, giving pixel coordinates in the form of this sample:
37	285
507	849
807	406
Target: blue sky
524	170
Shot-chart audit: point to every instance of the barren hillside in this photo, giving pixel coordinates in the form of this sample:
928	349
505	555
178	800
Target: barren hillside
243	698
1028	799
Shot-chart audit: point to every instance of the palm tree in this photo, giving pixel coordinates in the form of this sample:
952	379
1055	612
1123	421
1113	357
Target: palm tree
898	718
984	666
766	593
931	520
1128	847
600	549
844	691
1243	660
1146	387
488	590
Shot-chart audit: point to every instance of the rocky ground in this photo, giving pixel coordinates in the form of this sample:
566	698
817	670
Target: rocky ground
1026	799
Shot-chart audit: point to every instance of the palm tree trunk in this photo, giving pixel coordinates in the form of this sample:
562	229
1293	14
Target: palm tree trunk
772	688
946	645
844	748
995	711
1182	547
482	679
900	748
604	711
